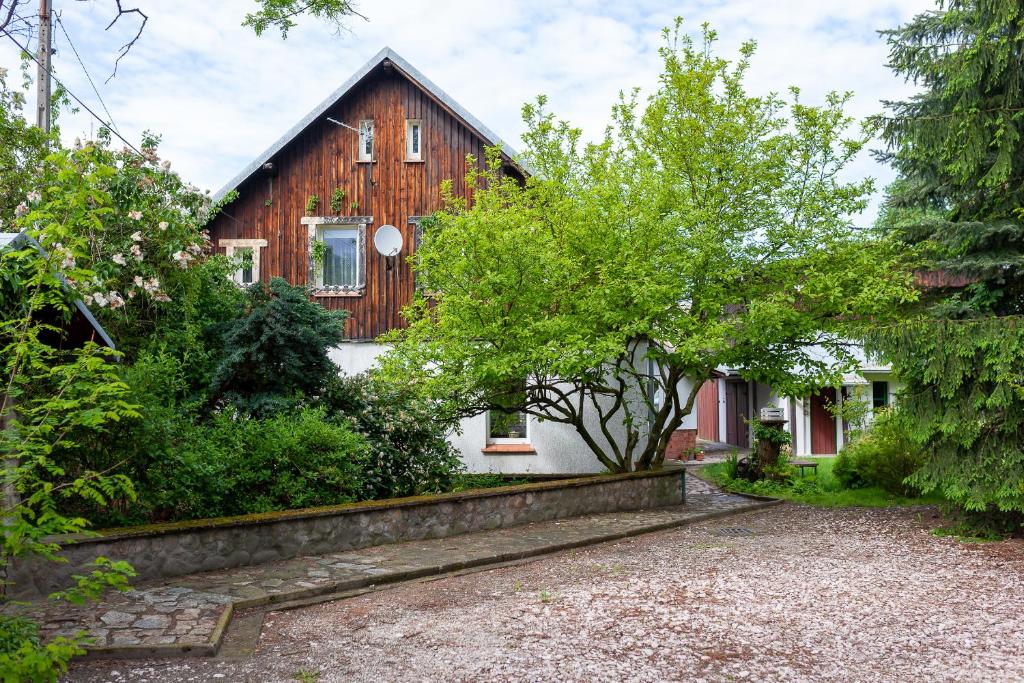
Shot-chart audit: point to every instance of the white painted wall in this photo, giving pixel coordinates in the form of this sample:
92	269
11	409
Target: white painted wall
684	388
356	357
722	411
560	450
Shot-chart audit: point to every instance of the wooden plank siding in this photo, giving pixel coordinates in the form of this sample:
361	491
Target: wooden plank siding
707	411
391	189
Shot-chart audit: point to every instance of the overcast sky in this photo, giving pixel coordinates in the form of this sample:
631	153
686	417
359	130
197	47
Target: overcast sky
218	95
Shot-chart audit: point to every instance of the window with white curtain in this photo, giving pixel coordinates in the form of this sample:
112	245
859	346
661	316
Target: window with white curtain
337	254
340	267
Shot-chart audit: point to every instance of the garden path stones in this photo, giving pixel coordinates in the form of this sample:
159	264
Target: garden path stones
187	615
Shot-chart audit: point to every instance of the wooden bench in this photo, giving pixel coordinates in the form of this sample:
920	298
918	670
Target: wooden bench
805	465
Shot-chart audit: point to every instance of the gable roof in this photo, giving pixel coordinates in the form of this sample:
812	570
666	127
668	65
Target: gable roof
406	69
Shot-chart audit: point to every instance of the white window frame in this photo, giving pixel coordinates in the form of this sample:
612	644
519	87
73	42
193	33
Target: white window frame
494	440
410	153
315	226
525	438
230	245
888	399
366	129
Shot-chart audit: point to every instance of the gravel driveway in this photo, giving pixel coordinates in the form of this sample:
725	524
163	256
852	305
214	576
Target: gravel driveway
788	594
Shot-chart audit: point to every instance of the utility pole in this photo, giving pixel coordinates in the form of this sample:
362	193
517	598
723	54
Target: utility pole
43	78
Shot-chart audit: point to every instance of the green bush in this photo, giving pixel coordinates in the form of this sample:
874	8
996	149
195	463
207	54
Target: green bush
845	469
238	466
409	454
276	353
883	456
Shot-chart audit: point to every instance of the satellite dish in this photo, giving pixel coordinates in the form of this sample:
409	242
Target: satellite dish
387	240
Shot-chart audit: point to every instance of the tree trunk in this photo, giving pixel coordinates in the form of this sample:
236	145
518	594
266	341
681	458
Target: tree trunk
768	451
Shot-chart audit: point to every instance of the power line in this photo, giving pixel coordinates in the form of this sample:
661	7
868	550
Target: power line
86	72
75	97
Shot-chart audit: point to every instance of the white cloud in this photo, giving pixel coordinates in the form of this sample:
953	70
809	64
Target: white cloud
219	95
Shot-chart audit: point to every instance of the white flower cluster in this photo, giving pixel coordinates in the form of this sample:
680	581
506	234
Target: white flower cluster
182	257
112	299
150	286
67	259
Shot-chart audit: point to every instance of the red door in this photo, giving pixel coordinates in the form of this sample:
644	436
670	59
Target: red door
823	423
707	411
737	413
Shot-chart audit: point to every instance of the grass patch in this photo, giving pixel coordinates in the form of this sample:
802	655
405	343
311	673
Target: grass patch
966	534
821	489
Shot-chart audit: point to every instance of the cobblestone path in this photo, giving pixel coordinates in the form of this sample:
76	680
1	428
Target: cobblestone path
187	615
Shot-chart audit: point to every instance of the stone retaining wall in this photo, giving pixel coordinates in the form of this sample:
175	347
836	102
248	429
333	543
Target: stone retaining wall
169	550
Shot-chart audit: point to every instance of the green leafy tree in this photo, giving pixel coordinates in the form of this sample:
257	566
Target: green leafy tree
276	353
21	152
957	207
281	14
53	394
708	227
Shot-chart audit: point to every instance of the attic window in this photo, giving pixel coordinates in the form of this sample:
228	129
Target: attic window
366	140
413	140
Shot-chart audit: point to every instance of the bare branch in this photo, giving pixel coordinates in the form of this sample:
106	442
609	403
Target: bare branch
127	46
9	13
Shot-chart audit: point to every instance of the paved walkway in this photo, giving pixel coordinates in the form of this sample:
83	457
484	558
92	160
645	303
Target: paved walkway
188	615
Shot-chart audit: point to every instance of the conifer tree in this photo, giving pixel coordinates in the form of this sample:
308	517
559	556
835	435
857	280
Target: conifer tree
959	151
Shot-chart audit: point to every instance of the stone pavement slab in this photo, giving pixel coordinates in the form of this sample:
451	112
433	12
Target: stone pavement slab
187	615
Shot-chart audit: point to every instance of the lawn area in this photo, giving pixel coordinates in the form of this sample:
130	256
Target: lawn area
821	489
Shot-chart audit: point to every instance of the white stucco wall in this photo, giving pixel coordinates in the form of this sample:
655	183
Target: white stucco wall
356	357
684	388
559	449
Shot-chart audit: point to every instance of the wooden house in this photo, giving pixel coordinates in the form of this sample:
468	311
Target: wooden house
374	153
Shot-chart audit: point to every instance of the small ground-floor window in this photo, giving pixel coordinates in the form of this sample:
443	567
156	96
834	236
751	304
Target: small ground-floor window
509	424
505	426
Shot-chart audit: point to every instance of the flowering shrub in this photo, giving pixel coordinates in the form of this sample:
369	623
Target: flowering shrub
57	390
409	454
